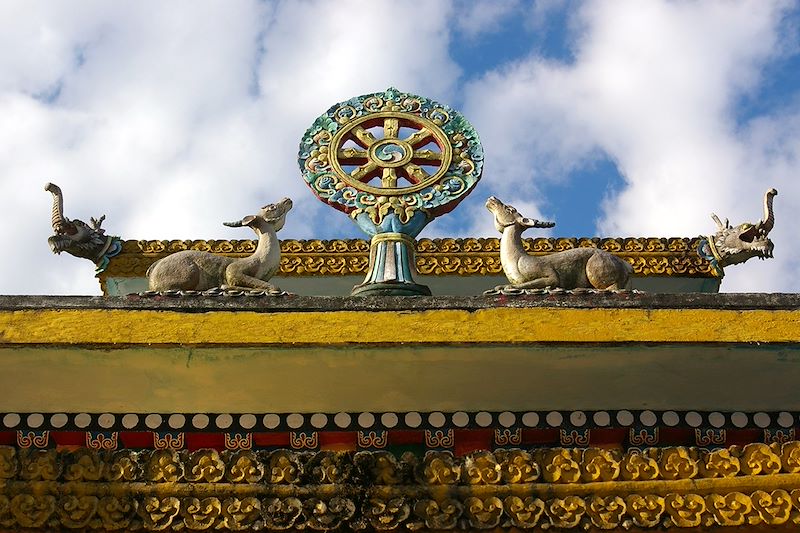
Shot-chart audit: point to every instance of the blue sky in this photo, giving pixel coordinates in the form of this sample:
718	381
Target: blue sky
609	117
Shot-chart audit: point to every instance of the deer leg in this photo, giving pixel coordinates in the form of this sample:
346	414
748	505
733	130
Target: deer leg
537	283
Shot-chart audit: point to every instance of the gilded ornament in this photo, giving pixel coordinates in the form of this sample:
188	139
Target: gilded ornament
281	513
678	463
439	468
772	507
329	467
517	466
39	464
481	468
731	509
284	467
164	465
324	515
645	510
639	466
483	513
606	513
84	465
116	513
360	158
76	512
6	519
32	511
387	514
685	510
158	513
565	512
758	458
124	466
200	514
8	462
244	467
383	467
204	465
241	515
560	466
439	515
790	458
600	465
719	463
524	513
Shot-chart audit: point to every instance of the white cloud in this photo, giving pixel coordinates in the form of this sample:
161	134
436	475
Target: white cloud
477	17
173	118
654	85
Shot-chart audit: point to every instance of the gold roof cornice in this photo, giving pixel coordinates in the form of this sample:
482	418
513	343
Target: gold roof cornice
506	490
447	256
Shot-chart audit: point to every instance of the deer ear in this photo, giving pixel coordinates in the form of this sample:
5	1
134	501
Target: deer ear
533	223
246	221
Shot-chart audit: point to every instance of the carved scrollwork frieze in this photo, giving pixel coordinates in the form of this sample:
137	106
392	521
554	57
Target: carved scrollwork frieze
567	488
445	256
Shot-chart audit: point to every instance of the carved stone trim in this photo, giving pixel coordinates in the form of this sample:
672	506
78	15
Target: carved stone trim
447	256
560	487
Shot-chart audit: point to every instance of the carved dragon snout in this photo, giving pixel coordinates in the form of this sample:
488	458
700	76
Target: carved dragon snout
79	238
731	245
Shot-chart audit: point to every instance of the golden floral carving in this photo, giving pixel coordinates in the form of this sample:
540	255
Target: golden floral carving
439	515
116	513
164	465
645	510
685	510
600	465
84	465
772	507
758	458
39	464
606	513
525	513
326	515
465	257
200	514
284	467
517	466
790	458
560	466
76	512
6	519
381	466
567	512
32	511
280	514
720	463
638	466
240	515
8	462
483	513
729	510
204	465
124	466
481	468
440	468
678	463
244	467
329	467
387	514
158	514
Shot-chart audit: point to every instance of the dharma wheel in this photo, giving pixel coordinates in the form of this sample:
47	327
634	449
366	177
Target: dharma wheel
393	161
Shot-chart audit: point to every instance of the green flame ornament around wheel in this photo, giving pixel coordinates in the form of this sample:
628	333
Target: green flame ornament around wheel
393	161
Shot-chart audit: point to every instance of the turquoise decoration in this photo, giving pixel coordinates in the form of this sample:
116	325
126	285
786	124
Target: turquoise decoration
393	161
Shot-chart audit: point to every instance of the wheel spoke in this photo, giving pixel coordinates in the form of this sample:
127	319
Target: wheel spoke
391	127
427	155
351	155
363	137
389	178
415	173
416	138
364	172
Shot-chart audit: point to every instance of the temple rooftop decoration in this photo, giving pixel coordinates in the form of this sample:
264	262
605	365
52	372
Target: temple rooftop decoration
354	400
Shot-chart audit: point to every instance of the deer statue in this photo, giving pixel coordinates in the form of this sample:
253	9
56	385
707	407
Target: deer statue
731	245
570	269
195	270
